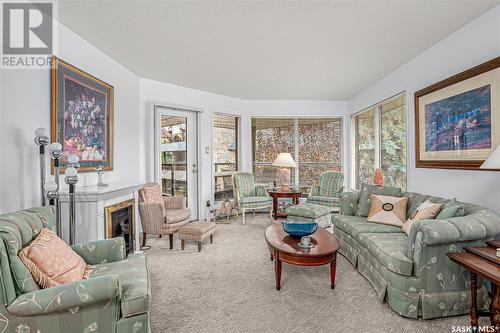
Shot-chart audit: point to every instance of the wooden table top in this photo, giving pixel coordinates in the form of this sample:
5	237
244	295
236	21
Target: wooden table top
284	192
326	243
478	265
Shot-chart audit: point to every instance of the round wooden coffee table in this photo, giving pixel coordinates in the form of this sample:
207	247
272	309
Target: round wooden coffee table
284	248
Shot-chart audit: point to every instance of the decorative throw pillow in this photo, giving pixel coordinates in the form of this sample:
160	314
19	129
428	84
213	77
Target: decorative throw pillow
367	190
427	210
387	210
451	209
152	194
52	262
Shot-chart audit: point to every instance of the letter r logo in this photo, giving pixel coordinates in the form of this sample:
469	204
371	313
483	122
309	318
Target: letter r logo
27	28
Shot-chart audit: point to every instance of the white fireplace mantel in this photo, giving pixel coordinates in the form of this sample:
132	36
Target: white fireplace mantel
90	202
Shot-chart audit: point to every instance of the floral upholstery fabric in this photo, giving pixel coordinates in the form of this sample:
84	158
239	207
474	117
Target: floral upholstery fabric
349	202
92	305
451	209
436	287
151	193
356	225
390	250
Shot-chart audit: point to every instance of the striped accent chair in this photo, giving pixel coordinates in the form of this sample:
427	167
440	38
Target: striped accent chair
327	193
161	215
247	195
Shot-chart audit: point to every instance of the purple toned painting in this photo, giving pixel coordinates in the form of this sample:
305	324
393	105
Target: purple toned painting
459	122
82	116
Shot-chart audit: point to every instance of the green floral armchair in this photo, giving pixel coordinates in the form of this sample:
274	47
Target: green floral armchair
327	192
114	299
247	195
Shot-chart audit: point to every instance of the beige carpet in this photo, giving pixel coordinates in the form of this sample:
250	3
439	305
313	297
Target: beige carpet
229	287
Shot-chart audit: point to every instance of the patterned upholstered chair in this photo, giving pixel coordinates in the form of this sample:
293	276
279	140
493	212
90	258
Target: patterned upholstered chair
161	215
114	299
247	195
327	193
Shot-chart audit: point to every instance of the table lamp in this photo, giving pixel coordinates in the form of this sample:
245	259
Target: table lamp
284	162
493	161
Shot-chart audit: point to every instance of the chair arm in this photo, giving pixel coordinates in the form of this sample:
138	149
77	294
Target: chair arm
348	202
64	297
174	202
314	191
101	251
261	191
152	217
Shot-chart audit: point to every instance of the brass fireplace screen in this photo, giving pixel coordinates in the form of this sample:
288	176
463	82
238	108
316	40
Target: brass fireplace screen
119	221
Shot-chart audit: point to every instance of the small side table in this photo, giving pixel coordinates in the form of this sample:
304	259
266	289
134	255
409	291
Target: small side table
477	262
278	194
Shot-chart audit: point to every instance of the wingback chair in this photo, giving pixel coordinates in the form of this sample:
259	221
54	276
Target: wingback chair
161	215
327	192
247	195
115	298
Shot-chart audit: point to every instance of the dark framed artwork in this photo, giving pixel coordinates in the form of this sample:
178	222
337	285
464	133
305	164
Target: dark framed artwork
457	120
82	116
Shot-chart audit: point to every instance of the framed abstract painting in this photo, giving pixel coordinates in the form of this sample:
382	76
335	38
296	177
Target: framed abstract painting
457	120
82	116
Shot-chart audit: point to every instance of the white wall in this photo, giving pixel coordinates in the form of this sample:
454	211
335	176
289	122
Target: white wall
475	43
25	105
154	91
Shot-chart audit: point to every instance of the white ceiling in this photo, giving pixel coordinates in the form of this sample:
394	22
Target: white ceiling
314	50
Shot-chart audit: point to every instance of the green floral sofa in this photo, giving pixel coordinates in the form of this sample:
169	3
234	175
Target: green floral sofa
115	298
413	274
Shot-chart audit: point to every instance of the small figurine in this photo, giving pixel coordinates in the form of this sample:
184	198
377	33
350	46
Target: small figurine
100	173
378	177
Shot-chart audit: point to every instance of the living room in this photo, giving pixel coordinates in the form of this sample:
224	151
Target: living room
310	161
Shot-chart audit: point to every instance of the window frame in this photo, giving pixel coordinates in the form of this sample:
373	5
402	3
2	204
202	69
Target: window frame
238	148
296	120
377	107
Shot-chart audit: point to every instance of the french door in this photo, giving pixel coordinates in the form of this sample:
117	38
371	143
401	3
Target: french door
176	154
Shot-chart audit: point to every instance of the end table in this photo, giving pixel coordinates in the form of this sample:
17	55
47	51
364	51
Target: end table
279	194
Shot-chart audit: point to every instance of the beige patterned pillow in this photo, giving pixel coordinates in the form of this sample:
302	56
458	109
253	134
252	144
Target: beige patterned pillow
427	210
52	262
387	210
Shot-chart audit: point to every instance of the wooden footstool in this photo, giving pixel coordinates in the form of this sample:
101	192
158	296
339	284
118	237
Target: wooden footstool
196	231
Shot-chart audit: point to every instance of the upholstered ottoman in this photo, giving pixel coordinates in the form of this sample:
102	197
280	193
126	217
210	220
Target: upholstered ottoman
308	212
198	232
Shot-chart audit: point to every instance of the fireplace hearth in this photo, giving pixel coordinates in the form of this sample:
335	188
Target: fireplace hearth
120	222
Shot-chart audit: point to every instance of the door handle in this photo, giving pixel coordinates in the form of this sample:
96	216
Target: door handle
195	168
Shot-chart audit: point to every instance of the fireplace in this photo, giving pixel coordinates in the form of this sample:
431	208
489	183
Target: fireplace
120	222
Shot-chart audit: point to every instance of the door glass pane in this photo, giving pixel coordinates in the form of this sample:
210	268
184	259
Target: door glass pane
320	149
365	146
225	153
173	155
393	142
270	137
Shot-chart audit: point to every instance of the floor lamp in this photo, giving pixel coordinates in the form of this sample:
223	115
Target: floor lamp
55	152
71	179
42	140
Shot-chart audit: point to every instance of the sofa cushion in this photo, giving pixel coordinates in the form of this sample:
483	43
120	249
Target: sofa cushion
308	210
390	250
177	215
356	225
152	194
367	190
324	201
451	209
133	277
52	262
387	210
427	210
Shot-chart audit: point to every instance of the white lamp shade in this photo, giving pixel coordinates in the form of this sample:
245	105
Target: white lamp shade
73	159
56	146
70	172
40	131
284	160
50	186
493	161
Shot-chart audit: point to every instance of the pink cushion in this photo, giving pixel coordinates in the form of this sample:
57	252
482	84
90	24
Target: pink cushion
152	194
52	262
